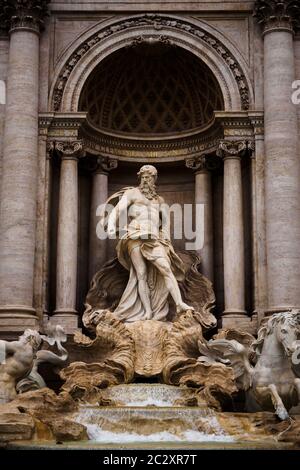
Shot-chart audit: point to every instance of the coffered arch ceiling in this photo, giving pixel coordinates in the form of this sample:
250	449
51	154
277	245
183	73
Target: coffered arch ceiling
151	90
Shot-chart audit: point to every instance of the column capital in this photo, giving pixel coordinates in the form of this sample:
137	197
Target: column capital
100	165
201	163
105	164
69	150
276	15
234	148
25	14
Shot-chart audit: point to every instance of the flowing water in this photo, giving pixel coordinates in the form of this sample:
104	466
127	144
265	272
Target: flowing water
149	413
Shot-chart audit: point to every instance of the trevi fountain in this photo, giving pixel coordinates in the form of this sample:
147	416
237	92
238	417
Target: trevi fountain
149	367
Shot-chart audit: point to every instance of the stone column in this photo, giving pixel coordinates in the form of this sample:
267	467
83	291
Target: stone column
20	151
260	297
234	315
44	186
67	236
97	247
41	246
282	157
203	195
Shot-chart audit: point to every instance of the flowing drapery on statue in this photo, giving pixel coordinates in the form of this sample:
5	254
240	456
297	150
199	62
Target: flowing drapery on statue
131	307
145	250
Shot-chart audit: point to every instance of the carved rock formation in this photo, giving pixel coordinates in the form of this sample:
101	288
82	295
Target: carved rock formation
214	381
111	359
40	415
149	338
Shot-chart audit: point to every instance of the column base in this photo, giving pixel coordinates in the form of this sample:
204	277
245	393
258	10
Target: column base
239	321
14	319
68	319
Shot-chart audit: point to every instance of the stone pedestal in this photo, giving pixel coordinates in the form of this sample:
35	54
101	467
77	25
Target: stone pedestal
282	155
67	237
20	151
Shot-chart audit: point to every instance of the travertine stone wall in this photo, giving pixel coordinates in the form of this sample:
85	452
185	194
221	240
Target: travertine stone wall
297	64
4	46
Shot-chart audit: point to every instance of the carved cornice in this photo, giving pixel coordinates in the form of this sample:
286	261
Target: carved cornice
234	148
240	125
157	22
128	149
278	14
28	14
257	122
67	150
62	126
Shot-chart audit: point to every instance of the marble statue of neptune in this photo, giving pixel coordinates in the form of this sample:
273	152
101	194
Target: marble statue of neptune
144	249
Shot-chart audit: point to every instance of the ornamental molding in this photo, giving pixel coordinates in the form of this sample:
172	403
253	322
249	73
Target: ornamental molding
241	124
158	22
72	149
68	128
98	143
257	122
106	164
278	14
235	148
201	163
150	40
28	14
100	164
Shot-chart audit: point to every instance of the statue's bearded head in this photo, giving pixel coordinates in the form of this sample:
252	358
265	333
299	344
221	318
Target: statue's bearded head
147	178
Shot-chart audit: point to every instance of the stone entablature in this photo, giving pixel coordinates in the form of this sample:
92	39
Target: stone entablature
68	126
278	14
28	14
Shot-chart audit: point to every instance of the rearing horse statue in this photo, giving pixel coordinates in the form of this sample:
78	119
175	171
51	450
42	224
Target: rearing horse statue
269	369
